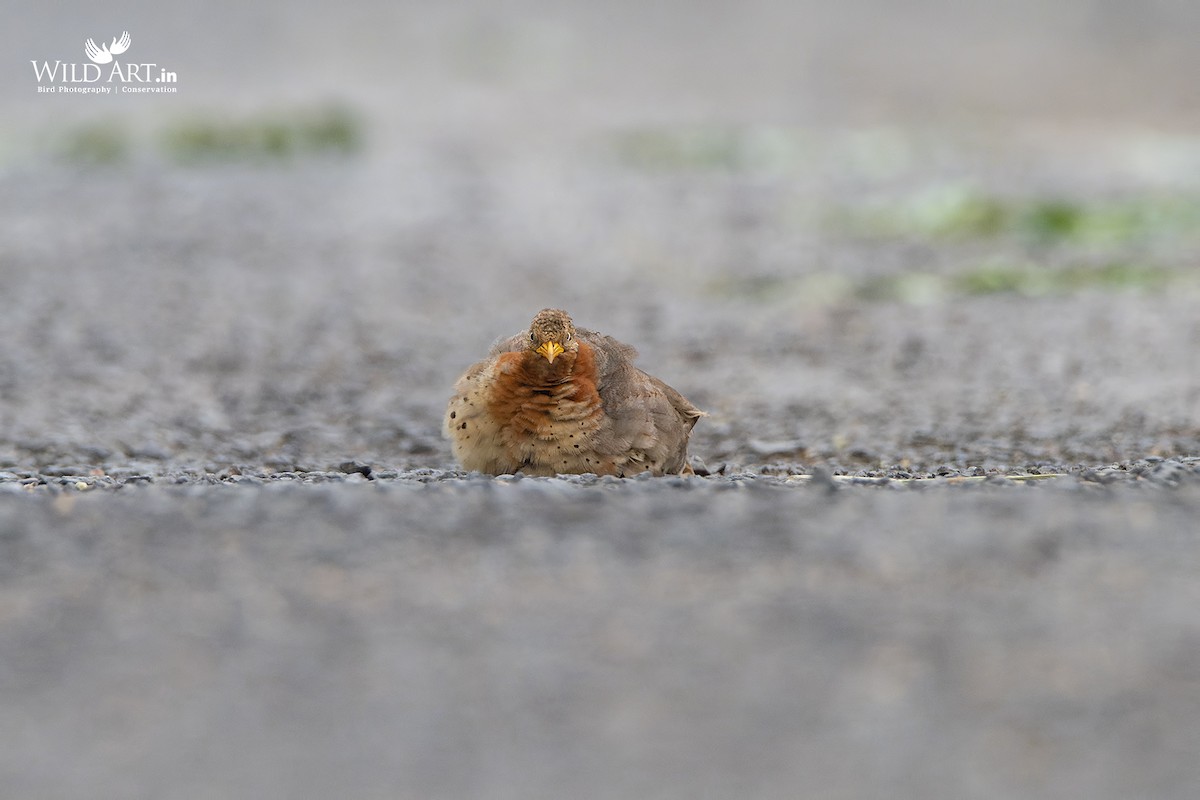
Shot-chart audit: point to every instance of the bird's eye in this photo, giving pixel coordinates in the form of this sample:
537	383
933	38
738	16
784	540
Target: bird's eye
567	338
532	336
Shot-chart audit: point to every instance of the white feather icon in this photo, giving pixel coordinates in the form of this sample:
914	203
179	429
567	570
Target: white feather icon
119	46
105	52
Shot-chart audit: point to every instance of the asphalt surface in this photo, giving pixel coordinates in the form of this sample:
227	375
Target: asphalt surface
945	537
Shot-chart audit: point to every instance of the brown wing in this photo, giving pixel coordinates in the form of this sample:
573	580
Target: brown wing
508	344
683	407
647	422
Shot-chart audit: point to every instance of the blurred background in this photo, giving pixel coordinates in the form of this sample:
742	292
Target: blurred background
930	238
808	213
799	203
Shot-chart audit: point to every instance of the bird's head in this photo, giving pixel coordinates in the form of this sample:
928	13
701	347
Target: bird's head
551	334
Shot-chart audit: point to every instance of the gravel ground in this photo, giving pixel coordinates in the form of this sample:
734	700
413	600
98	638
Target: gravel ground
431	635
939	301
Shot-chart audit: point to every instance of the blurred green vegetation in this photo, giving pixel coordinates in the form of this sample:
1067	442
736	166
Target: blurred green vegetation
957	212
949	211
93	144
267	137
924	288
701	148
1031	280
872	152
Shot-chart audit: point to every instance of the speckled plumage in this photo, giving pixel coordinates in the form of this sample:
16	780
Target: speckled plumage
559	399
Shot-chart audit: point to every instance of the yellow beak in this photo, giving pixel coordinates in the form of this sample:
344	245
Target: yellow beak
551	350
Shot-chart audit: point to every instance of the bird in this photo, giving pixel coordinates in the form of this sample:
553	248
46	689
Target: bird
557	399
